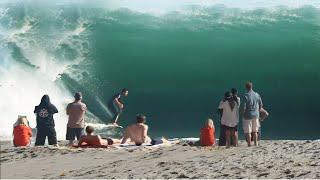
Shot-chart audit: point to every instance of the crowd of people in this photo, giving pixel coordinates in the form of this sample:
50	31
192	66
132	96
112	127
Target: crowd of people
229	110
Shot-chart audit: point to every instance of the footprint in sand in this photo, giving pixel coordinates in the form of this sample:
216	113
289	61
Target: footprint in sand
161	163
287	171
182	176
262	174
304	173
290	176
3	160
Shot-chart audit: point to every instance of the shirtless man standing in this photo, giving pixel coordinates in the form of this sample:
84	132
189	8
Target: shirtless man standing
137	132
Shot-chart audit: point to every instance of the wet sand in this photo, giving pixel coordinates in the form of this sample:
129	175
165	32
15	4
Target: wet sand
272	159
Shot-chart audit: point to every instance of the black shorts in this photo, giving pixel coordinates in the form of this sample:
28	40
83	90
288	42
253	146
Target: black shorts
115	111
110	141
231	128
73	133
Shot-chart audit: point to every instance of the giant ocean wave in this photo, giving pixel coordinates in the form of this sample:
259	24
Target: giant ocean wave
177	58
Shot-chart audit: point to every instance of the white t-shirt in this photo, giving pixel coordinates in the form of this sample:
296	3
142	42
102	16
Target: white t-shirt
230	117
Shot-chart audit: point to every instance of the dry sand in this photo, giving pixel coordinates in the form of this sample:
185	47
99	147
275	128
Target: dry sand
272	159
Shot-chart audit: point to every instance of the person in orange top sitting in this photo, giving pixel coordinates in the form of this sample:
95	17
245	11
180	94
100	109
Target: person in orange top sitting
207	135
94	140
22	133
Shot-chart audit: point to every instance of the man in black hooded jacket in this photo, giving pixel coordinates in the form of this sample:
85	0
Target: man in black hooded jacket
45	122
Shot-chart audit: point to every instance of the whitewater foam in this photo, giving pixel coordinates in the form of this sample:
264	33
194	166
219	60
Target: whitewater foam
29	70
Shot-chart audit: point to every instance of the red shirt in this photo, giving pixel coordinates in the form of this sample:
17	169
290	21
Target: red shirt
22	135
207	136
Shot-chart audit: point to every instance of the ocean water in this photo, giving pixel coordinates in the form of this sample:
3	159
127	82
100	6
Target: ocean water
176	58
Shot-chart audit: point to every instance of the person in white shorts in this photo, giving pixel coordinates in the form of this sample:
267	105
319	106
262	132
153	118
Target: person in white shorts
251	107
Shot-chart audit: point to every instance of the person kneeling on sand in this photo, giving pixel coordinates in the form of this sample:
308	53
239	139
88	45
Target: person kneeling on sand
138	133
22	133
94	140
207	135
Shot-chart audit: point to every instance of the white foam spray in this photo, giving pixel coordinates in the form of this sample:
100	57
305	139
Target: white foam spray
22	84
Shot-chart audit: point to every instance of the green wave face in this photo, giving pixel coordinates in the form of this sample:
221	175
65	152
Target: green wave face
177	65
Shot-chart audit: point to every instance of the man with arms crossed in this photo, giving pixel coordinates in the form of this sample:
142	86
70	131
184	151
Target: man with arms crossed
76	111
251	108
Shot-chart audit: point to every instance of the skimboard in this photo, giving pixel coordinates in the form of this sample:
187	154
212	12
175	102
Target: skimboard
107	130
113	125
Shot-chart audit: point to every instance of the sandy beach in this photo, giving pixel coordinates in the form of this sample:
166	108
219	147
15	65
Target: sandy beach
272	159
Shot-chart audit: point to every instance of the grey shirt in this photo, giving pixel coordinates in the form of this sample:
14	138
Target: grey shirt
76	111
252	103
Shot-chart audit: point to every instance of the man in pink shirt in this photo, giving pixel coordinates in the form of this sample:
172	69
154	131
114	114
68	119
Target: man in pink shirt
76	111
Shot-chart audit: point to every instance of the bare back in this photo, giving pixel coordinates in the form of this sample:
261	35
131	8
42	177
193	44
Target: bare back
138	133
93	140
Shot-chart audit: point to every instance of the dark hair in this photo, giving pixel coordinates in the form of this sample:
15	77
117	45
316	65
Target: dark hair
227	94
78	96
124	90
228	97
249	85
89	129
141	118
234	91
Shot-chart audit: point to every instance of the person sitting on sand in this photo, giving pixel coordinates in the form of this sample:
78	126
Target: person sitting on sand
45	122
76	111
137	132
93	140
207	135
22	133
230	118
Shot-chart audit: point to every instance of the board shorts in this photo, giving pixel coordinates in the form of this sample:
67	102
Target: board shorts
73	133
115	111
109	141
152	141
251	125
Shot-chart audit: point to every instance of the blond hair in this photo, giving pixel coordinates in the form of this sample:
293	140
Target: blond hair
22	120
209	123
